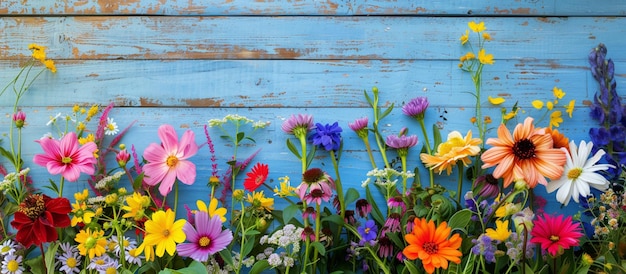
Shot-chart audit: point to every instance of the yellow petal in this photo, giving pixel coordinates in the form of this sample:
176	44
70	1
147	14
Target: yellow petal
538	104
496	101
549	105
570	108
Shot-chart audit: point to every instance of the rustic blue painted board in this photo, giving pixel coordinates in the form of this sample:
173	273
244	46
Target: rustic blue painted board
337	7
297	37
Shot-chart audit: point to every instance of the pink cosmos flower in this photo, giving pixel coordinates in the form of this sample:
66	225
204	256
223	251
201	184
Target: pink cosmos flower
168	161
66	157
207	238
555	234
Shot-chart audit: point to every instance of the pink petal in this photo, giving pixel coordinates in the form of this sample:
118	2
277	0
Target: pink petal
186	172
188	146
155	153
169	138
154	172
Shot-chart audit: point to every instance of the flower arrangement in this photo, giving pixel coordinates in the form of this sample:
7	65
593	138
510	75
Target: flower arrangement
126	221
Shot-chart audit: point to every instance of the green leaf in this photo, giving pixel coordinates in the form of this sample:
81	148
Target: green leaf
387	111
252	232
436	136
50	254
351	196
289	212
259	267
411	267
319	247
395	239
333	219
376	214
240	136
138	182
251	140
293	149
368	98
7	154
460	219
247	247
227	256
193	268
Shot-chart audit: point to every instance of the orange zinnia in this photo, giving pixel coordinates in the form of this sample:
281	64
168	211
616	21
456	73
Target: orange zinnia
529	155
432	246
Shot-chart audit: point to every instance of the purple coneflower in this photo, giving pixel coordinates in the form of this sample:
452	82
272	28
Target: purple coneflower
486	186
396	202
392	224
416	107
401	142
206	238
363	207
316	186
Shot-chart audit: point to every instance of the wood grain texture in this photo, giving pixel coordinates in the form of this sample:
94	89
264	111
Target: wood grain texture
325	7
304	37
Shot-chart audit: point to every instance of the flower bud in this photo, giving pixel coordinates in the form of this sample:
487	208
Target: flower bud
19	118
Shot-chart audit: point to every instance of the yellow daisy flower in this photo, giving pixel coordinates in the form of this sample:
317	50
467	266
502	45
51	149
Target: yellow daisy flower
476	27
135	206
456	148
556	118
91	243
260	202
81	214
484	58
163	232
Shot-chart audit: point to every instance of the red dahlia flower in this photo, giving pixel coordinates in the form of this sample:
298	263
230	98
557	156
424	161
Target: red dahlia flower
38	217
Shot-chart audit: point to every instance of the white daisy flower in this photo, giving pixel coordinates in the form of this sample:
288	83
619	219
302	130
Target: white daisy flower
579	174
12	264
7	247
70	261
111	127
101	263
133	257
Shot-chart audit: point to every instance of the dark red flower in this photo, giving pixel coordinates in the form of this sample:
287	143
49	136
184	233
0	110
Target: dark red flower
38	217
256	177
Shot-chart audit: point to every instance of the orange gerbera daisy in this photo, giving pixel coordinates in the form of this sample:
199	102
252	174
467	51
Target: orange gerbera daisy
431	245
529	155
558	139
456	148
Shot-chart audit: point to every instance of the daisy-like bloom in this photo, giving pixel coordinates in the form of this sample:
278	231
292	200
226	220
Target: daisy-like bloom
163	232
416	107
213	209
555	234
91	243
432	246
558	93
360	127
502	231
298	125
316	186
7	247
169	161
580	174
81	214
19	118
66	157
456	148
12	264
484	58
558	139
101	263
205	239
135	206
528	154
260	202
132	256
327	136
111	127
401	142
256	177
38	218
69	262
368	232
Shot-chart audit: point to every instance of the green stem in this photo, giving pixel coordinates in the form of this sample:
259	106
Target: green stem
62	185
378	261
431	175
342	203
318	226
175	196
459	188
304	161
404	178
366	141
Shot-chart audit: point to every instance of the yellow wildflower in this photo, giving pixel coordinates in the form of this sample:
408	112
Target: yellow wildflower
50	65
260	202
93	110
90	243
496	101
555	118
476	27
90	138
212	209
570	108
163	232
507	209
538	104
484	58
558	93
81	196
75	108
81	214
465	37
135	206
285	188
508	116
549	105
456	148
39	52
487	119
501	233
486	36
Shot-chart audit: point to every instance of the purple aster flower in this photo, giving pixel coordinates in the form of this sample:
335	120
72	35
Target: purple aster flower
416	107
206	238
363	207
401	142
360	127
298	125
368	232
486	186
327	136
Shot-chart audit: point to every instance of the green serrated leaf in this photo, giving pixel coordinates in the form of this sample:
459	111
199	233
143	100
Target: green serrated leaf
351	196
293	149
259	267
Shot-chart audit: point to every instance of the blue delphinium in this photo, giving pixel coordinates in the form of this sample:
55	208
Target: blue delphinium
327	136
608	110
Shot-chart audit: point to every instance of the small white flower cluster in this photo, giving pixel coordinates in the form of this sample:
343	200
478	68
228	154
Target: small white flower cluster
11	178
288	238
109	180
386	177
11	260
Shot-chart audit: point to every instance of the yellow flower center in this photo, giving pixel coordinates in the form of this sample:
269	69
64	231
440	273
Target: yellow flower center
13	266
166	233
66	160
111	127
574	173
111	270
100	262
367	230
554	238
204	241
171	161
5	249
430	248
90	242
71	262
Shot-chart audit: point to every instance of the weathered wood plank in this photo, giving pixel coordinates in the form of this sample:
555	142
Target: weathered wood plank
329	7
300	83
327	38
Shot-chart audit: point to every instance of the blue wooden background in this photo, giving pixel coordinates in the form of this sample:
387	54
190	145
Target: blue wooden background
185	62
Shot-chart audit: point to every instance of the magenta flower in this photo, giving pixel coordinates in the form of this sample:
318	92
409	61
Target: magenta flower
401	142
416	107
122	158
298	125
66	157
19	118
555	234
168	161
207	238
360	127
316	186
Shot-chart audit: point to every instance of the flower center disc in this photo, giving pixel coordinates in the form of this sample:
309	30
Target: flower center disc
204	241
524	149
430	248
171	161
574	173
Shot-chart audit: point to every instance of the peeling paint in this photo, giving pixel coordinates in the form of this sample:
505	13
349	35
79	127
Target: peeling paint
204	102
150	102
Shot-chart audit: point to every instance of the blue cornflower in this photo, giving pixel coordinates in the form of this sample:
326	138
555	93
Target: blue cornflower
327	136
368	232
